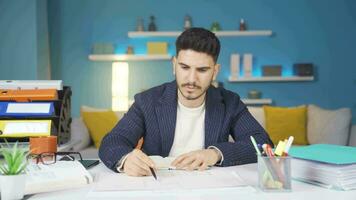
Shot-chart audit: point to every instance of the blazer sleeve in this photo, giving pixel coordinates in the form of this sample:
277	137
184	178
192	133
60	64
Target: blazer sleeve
243	125
123	138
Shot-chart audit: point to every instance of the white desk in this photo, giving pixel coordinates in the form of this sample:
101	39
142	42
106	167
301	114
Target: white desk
68	146
247	172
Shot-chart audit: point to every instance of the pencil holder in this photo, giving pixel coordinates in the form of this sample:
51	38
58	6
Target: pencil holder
274	173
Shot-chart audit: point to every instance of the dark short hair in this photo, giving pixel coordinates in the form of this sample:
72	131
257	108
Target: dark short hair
200	40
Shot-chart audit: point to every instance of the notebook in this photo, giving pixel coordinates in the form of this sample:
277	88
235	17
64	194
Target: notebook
326	153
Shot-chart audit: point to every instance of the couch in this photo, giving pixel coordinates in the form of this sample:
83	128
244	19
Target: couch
323	126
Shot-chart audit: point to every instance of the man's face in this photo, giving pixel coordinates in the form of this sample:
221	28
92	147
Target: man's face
194	72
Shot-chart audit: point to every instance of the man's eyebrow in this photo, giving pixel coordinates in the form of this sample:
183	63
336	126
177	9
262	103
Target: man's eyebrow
180	63
202	67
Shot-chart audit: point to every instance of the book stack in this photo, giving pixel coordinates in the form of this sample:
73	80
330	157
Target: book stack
34	108
326	165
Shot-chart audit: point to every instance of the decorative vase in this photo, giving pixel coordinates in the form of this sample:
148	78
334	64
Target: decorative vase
140	26
12	186
130	50
215	26
152	25
187	22
242	26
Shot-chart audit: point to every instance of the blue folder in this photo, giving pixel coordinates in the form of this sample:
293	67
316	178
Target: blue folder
326	153
30	106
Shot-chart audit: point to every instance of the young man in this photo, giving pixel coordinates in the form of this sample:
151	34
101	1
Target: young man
187	118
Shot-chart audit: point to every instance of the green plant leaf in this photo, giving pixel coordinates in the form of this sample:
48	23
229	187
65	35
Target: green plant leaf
23	167
7	157
15	159
4	170
18	160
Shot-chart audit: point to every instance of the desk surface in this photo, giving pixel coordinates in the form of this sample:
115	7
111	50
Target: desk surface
247	172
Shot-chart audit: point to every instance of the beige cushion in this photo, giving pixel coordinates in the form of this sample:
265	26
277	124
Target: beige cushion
79	134
352	140
258	113
328	126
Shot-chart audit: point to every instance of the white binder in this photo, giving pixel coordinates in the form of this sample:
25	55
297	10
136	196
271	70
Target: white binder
31	84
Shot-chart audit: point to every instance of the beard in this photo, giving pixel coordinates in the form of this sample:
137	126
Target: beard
199	90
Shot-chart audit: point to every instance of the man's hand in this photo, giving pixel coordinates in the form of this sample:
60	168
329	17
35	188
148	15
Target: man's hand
200	159
138	163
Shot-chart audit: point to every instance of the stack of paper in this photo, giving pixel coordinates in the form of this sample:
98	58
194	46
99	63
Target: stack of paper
330	166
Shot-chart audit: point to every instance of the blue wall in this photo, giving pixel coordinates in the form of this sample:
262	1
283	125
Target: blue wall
43	49
18	56
24	49
319	31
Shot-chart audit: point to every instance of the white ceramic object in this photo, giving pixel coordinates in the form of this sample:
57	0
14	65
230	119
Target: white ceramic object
12	186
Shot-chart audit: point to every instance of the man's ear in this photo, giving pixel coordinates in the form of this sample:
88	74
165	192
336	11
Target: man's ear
174	61
216	71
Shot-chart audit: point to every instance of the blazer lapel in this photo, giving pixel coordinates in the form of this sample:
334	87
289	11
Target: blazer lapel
214	115
166	112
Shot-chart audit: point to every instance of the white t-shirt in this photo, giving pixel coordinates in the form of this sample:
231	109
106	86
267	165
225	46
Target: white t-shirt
189	133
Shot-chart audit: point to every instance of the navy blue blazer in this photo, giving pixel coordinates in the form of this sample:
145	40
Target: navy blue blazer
153	116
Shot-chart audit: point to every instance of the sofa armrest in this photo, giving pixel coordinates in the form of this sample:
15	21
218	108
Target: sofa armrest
352	141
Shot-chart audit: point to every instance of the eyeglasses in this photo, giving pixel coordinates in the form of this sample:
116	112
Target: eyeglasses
49	158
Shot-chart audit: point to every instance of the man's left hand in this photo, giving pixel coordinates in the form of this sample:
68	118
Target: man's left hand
200	159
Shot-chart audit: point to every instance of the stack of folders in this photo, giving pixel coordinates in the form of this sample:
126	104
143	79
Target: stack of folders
28	108
330	166
20	120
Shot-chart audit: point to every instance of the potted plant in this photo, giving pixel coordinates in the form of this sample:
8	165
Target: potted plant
12	179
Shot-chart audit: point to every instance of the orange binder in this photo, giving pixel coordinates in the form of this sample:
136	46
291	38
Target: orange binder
28	95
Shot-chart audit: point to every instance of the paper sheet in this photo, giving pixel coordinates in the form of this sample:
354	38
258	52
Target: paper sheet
170	180
28	108
26	127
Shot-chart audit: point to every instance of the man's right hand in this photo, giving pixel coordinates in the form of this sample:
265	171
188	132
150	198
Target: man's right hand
138	163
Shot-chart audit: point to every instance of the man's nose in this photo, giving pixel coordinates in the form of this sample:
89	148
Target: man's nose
192	76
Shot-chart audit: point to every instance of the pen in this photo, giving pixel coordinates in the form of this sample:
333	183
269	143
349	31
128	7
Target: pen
255	145
153	173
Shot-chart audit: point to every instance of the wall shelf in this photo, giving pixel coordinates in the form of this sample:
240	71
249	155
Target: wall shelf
272	79
134	34
124	57
257	101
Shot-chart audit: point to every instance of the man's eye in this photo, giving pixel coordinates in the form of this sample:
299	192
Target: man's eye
202	70
185	67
